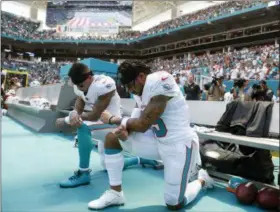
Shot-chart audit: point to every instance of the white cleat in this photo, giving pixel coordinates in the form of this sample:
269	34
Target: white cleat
203	175
109	198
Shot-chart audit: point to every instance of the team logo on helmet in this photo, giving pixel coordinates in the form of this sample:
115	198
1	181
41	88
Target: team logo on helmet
167	87
109	86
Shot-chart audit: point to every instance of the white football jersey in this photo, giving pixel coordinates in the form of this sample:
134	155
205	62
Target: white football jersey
100	86
174	124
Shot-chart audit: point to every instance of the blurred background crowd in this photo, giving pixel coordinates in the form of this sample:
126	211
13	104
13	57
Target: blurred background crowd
20	27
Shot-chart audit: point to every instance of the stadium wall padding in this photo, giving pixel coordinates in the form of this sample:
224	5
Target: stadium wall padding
96	65
49	92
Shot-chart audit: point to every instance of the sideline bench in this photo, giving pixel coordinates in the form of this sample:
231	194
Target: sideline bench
209	113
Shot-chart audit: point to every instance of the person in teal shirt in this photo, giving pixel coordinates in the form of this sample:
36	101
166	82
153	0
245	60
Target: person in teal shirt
177	79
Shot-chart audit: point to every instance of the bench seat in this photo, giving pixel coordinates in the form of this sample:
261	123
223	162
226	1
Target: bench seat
261	143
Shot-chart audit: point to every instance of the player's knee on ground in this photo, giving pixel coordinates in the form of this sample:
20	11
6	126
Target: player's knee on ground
112	141
172	200
175	207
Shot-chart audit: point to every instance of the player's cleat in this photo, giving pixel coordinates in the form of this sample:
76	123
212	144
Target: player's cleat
109	198
203	175
78	179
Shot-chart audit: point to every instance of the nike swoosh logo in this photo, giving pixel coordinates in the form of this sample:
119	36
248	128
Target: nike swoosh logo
164	78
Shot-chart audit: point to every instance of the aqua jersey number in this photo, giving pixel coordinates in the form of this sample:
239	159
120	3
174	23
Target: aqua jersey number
159	128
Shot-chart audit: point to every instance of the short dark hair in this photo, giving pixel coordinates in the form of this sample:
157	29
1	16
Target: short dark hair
130	69
206	86
79	72
263	82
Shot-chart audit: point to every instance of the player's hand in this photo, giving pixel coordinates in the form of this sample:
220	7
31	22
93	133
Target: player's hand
60	123
121	133
75	119
105	116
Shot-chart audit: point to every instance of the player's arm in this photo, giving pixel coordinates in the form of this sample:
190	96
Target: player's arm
152	112
73	117
79	105
101	104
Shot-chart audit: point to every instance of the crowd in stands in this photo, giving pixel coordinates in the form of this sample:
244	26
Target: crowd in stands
57	16
20	27
259	62
17	26
256	62
43	72
205	14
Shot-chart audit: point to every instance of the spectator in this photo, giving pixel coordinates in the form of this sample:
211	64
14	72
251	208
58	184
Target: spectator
268	93
182	79
204	94
192	90
246	85
217	89
239	90
177	79
229	96
234	73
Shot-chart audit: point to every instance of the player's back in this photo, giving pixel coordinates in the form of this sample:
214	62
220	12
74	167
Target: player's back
174	124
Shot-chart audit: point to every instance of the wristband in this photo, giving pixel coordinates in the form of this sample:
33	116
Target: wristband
73	111
67	120
124	121
110	119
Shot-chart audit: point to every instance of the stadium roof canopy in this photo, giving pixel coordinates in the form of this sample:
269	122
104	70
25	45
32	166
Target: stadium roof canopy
36	4
143	10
